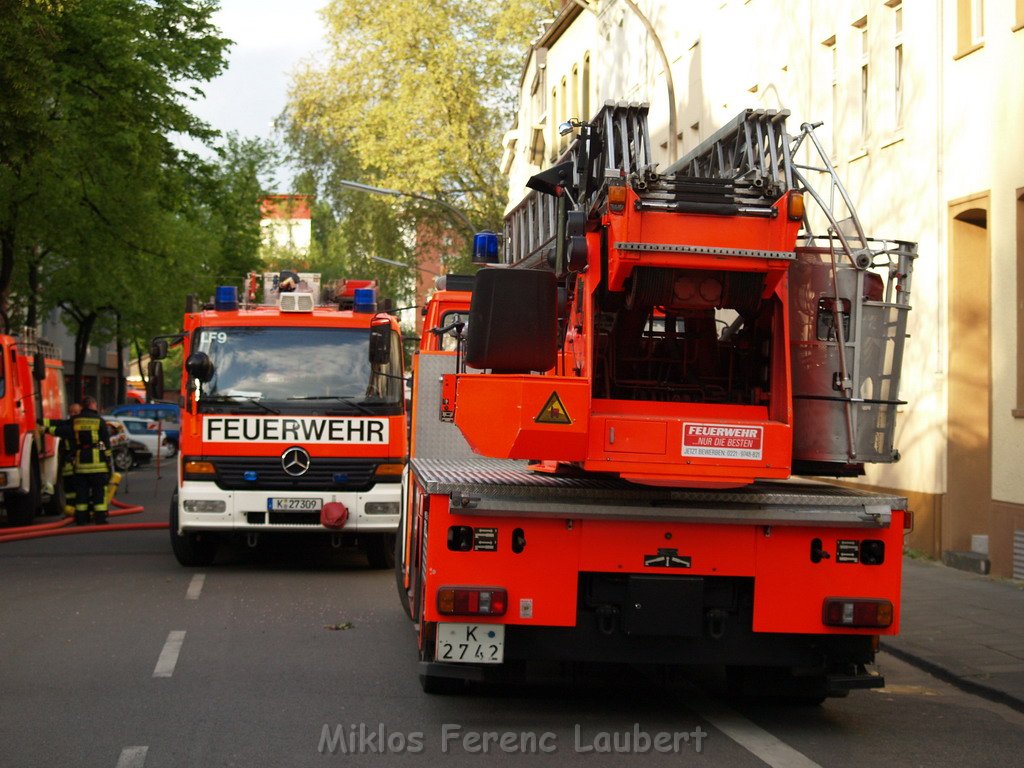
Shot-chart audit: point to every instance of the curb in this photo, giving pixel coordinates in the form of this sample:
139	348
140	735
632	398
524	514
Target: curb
968	686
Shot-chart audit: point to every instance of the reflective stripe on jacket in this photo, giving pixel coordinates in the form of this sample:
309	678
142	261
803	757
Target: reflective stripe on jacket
90	438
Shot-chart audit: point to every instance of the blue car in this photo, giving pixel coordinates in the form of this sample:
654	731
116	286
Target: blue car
168	413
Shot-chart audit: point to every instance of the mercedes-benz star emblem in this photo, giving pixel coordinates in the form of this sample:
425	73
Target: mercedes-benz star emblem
295	461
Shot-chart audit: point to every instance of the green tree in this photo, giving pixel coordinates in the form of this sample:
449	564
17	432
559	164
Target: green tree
100	213
412	97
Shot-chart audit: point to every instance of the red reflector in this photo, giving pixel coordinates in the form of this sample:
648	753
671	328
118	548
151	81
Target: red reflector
472	601
857	612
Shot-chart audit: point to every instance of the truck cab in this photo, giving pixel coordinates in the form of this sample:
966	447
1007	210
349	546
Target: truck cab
293	420
31	389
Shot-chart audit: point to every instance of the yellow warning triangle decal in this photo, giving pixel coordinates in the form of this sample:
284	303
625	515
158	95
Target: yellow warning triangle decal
553	412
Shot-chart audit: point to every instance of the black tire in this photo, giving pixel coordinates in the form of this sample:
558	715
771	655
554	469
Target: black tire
379	549
123	459
22	507
442	686
191	549
57	501
403	595
777	685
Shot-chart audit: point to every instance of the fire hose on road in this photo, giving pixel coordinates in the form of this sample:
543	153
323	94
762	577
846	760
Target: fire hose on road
61	527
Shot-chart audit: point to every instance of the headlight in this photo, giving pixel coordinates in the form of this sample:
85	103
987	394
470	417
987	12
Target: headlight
205	505
381	508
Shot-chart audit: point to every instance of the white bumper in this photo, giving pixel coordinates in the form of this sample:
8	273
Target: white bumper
10	479
247	510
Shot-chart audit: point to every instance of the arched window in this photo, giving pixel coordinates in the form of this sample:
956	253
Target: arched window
585	89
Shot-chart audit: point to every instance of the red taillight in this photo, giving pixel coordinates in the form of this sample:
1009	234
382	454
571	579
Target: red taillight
472	601
908	520
857	612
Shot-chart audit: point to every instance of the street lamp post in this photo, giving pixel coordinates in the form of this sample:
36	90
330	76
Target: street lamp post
463	220
395	263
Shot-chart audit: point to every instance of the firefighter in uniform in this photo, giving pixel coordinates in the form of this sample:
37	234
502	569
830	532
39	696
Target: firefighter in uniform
62	429
90	443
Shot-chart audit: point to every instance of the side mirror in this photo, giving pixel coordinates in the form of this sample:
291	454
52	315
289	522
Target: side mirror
155	386
380	343
513	321
39	367
199	366
158	349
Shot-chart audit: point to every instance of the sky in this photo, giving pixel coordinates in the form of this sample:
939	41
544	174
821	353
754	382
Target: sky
271	37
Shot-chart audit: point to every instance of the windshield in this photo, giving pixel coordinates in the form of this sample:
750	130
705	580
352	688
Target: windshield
326	367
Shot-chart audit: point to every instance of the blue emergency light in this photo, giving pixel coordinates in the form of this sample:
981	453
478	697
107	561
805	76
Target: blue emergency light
226	298
485	248
250	476
365	300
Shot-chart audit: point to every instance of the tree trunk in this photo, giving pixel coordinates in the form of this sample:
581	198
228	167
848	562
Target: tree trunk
121	392
142	372
34	292
6	270
82	334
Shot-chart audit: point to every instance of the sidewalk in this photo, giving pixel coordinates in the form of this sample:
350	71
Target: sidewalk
964	628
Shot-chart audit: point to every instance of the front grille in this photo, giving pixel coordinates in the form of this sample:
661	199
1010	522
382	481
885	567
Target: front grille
283	518
324	474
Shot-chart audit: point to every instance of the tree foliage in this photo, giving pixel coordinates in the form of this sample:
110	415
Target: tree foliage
101	214
414	98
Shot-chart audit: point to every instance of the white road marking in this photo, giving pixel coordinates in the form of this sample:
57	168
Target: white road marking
169	655
195	587
132	757
752	738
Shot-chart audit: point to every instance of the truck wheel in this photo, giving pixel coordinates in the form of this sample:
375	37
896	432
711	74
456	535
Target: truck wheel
57	501
442	686
379	549
22	507
403	596
775	684
191	549
123	459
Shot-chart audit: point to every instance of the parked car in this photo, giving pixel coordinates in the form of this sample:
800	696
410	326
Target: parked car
125	452
146	433
167	413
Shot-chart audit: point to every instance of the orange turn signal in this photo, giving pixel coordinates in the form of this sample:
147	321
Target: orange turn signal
199	468
389	470
795	206
616	198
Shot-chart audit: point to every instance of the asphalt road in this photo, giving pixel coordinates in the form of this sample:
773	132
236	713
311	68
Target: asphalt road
112	655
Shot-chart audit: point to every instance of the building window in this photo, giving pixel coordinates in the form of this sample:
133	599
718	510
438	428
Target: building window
563	115
554	126
897	61
833	54
585	86
574	110
970	26
862	27
1019	410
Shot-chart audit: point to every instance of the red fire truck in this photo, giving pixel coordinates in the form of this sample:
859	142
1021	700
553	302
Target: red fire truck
31	389
293	419
602	470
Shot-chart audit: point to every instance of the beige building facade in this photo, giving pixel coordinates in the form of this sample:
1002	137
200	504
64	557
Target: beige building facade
921	111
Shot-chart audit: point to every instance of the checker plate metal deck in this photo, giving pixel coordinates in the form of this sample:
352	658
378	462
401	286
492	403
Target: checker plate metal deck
502	487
